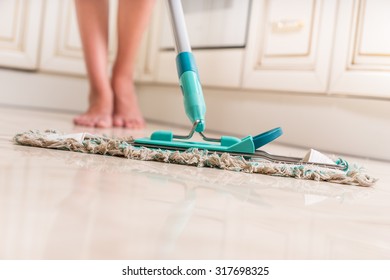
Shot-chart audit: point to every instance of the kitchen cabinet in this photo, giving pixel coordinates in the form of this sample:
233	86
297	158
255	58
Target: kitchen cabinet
361	60
20	22
289	45
261	44
210	24
61	50
311	46
217	31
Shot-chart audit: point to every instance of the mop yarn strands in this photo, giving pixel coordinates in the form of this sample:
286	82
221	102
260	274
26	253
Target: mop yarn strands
122	147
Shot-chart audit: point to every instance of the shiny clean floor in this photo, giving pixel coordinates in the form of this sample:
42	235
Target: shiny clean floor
66	205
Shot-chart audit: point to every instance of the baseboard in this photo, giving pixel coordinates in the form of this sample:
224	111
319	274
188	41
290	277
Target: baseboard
42	90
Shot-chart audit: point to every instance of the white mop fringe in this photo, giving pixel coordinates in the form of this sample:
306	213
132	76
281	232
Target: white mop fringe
120	147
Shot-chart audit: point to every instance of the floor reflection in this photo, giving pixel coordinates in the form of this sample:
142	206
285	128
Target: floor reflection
233	182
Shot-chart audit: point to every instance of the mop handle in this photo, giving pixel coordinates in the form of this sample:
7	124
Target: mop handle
191	88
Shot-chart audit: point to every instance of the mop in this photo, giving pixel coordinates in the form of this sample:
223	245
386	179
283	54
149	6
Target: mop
226	152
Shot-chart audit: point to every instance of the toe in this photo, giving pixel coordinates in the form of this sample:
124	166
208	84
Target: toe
103	123
81	121
118	121
129	124
78	120
134	123
89	123
139	123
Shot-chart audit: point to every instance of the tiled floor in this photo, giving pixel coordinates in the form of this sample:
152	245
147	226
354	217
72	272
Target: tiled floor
64	205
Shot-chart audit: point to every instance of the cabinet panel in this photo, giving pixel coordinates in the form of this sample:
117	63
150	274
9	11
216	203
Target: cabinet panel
211	24
216	67
11	11
19	33
61	45
372	44
217	33
289	31
289	45
361	61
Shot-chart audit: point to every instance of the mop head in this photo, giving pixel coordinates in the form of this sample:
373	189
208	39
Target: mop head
121	147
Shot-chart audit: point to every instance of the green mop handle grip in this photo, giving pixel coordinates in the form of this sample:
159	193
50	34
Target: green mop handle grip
191	88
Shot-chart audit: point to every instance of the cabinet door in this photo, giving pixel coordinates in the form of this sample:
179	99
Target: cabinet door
20	22
289	45
361	62
211	24
61	45
217	31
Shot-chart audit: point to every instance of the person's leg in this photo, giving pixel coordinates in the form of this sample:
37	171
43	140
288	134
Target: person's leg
133	16
92	18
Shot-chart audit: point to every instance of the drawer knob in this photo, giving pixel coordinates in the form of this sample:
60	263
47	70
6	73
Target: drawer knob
287	25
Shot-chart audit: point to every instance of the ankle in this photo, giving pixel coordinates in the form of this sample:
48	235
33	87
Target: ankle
101	98
103	89
122	76
123	87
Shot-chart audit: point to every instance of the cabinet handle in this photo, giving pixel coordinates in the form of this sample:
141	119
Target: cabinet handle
287	25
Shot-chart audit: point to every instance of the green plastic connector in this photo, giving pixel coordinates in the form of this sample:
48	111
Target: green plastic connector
194	104
164	138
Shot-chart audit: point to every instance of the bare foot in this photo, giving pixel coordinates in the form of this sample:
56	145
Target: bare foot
99	113
126	110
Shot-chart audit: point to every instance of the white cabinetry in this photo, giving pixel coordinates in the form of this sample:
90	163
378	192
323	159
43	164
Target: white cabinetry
361	61
260	44
289	45
216	23
269	45
19	33
217	31
61	45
